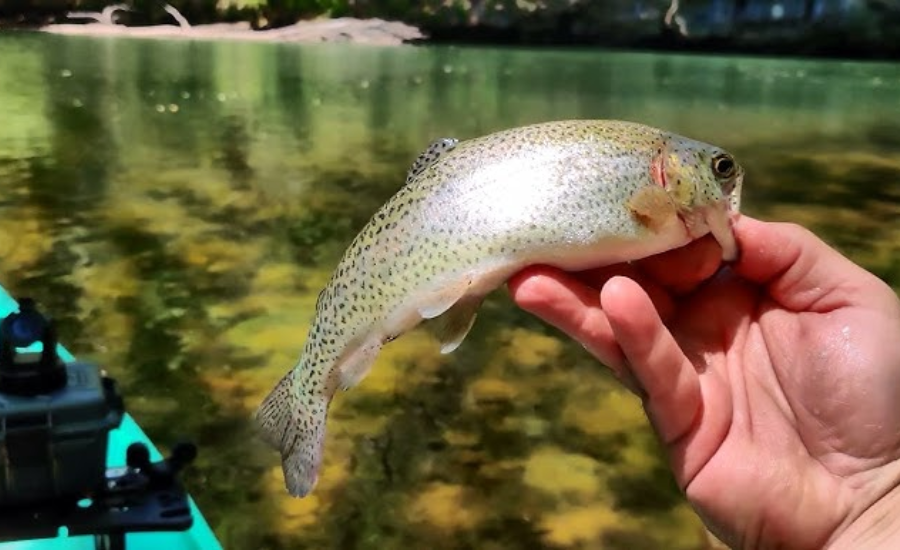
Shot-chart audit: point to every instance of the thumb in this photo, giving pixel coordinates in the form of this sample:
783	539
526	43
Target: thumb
801	272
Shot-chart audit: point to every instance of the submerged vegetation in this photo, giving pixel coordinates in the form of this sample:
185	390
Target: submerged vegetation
178	206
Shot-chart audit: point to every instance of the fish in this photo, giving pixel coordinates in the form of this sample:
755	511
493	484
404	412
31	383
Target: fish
574	194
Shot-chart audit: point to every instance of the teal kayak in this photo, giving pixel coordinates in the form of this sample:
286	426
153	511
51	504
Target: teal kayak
198	537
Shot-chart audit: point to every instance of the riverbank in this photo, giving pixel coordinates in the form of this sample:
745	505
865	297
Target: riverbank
345	29
850	40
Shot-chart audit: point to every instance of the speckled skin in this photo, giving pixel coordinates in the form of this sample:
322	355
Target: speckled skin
575	194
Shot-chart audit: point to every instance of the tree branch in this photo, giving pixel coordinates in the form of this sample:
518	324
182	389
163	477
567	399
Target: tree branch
106	17
182	20
672	15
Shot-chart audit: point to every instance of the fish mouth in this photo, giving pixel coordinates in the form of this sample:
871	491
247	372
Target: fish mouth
720	220
732	191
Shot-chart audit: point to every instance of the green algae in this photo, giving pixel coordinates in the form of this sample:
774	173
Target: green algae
183	248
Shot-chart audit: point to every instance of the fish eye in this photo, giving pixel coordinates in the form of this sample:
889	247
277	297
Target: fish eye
723	166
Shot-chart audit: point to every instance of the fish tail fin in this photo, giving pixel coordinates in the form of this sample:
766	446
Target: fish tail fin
297	428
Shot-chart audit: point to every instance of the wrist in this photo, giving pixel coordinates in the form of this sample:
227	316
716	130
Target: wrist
877	527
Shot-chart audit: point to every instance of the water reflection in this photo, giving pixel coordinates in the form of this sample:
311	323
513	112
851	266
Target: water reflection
179	205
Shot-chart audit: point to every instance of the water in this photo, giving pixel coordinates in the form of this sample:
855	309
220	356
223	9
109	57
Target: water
178	206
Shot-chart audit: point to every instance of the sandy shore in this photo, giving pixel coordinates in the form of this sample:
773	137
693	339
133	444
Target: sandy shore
345	29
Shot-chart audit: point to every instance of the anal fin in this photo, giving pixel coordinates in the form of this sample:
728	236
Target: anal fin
452	326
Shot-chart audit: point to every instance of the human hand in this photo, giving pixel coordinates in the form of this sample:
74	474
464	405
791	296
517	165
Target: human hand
773	383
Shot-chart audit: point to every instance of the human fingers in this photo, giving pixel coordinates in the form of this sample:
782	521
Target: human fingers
801	271
659	295
668	378
676	271
683	269
690	421
568	304
571	302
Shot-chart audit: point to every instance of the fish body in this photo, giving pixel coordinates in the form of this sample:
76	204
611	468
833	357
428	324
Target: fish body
573	194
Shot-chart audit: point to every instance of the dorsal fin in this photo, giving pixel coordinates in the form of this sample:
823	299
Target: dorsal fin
429	156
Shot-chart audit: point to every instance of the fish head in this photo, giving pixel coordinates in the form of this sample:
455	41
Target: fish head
705	182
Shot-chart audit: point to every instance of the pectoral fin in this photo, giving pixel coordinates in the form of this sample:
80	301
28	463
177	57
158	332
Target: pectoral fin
652	207
452	327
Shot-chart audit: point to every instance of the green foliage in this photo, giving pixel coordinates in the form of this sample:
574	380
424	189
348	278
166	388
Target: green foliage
870	27
525	17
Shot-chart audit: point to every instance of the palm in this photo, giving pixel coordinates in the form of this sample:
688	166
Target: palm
768	388
784	431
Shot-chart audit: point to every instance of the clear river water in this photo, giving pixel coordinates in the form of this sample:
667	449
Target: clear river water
177	206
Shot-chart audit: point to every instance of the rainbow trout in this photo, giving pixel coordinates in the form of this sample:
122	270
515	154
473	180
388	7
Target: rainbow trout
572	194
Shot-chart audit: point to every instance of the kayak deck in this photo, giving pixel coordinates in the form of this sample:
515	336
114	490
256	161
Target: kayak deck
198	537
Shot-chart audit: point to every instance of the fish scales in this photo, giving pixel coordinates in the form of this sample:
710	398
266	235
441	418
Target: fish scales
573	194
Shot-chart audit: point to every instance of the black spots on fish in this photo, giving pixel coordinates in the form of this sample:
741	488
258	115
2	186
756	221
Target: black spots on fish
294	440
387	226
